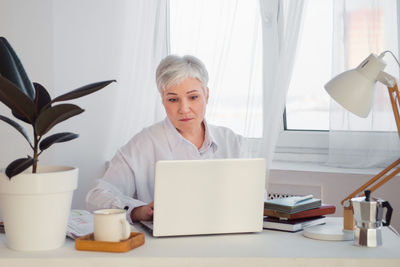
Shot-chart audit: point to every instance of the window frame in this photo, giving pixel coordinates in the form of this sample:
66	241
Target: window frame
302	146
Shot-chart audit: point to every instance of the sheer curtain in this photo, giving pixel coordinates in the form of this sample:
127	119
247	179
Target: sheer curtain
226	36
281	21
99	40
249	49
360	28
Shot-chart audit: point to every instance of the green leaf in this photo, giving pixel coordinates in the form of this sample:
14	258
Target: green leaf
16	100
18	166
56	138
54	115
82	91
12	69
17	127
42	97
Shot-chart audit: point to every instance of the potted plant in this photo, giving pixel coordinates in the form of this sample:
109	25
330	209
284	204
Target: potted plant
35	200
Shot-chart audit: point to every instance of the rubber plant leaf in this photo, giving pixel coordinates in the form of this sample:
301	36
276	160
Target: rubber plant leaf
54	115
16	100
21	117
18	166
82	91
12	69
18	127
56	138
42	97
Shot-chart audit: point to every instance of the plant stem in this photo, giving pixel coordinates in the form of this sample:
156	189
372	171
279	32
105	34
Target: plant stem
35	151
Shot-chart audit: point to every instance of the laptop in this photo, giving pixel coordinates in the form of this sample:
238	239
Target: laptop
213	196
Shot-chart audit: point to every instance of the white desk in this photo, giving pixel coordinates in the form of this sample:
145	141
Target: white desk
268	248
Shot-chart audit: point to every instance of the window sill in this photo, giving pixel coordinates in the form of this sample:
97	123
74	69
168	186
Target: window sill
319	167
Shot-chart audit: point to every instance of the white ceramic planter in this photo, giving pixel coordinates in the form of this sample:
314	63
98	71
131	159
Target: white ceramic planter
35	207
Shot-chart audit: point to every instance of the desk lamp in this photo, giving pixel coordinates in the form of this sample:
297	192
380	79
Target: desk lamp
354	90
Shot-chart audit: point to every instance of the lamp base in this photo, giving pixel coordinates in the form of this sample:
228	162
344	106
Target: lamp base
332	230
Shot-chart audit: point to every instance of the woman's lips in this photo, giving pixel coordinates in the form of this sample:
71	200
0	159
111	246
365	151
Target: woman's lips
186	119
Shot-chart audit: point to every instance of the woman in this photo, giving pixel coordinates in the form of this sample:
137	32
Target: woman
129	180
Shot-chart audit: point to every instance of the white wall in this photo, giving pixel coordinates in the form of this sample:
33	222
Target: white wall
63	53
97	40
84	52
27	27
336	186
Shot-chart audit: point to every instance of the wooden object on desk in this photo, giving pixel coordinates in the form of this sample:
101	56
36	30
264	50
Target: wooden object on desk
348	218
88	243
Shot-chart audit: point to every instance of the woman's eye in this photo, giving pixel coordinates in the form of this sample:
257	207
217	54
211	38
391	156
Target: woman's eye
193	97
172	100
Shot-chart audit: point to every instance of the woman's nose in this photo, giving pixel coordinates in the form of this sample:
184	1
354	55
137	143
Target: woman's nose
184	107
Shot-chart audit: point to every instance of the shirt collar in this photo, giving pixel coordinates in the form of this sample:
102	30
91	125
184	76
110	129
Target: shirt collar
209	140
175	138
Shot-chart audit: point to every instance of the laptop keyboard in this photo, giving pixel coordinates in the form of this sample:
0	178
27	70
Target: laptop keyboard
148	225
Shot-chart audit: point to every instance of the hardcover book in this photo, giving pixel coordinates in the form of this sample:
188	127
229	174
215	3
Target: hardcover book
291	225
324	209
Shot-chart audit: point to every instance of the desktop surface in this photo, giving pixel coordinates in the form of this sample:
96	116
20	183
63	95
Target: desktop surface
255	249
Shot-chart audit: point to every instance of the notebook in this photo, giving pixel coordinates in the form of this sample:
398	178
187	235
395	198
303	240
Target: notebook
214	196
292	225
292	204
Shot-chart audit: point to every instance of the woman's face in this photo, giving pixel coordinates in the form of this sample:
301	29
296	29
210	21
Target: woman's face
185	105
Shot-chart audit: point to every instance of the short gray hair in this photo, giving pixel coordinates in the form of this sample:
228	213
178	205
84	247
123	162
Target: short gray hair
174	69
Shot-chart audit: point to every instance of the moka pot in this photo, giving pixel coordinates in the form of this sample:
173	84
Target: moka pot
368	217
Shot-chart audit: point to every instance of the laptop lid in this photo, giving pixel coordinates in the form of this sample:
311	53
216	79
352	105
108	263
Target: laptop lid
214	196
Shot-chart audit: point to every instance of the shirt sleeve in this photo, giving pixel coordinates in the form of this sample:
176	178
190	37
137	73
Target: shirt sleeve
115	189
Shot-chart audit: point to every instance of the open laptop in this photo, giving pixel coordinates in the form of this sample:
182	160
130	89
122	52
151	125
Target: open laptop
214	196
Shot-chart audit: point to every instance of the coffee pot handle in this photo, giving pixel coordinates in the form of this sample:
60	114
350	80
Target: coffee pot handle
389	211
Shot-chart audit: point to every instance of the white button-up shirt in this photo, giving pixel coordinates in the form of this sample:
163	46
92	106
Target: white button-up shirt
129	180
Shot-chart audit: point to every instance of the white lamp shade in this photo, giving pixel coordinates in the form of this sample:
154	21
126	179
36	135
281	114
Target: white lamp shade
354	89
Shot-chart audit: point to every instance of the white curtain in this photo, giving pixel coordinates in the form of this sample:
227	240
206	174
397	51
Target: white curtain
281	23
99	40
360	28
226	36
249	49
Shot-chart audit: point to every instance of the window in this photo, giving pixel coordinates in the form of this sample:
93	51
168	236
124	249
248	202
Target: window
358	27
368	27
307	103
226	36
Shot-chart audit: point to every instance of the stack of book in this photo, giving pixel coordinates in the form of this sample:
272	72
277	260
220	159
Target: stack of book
295	213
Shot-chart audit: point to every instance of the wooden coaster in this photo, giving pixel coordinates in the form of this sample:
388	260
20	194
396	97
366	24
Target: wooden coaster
87	242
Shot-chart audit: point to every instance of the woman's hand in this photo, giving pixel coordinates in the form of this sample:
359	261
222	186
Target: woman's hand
143	213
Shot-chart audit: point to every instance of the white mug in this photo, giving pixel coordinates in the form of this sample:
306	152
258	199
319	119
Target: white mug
111	225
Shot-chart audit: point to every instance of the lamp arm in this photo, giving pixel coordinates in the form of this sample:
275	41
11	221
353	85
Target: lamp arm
375	179
394	99
389	172
394	95
384	176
